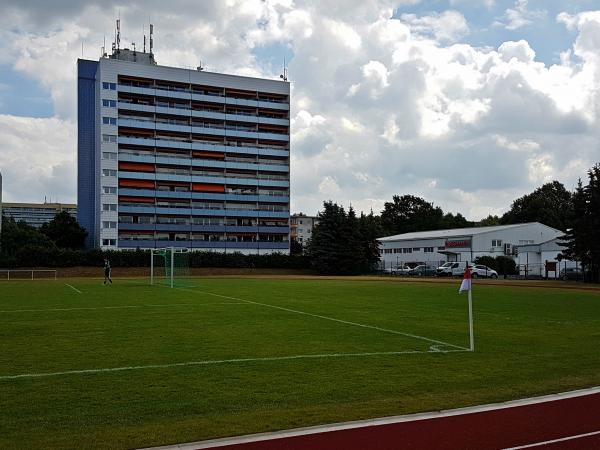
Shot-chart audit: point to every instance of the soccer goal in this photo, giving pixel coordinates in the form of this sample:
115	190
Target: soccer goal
169	266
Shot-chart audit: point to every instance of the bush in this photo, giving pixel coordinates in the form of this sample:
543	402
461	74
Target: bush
504	265
39	256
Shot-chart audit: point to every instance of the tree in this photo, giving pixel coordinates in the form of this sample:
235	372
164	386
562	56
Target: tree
408	213
582	240
295	247
343	244
549	204
489	221
17	235
65	231
454	221
370	230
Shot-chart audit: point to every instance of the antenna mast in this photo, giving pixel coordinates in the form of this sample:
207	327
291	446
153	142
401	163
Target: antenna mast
151	38
118	34
284	75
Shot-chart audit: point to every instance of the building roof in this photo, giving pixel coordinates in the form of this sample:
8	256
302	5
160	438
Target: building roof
41	205
455	232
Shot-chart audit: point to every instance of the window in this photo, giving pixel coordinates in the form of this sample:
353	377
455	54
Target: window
496	243
109	190
428	249
109	242
407	250
107	224
109	173
109	155
109	138
416	249
145	219
109	207
442	248
109	120
109	86
126	219
109	103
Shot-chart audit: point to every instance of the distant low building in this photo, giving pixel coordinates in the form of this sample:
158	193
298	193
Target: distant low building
463	244
36	214
301	227
543	259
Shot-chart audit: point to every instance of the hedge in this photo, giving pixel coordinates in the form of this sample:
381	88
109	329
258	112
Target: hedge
31	256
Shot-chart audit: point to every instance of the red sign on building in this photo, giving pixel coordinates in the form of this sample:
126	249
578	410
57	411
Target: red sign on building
460	243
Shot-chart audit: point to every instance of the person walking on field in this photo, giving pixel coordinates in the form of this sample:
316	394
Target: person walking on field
107	270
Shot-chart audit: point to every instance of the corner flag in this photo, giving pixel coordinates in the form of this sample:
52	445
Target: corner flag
466	282
466	286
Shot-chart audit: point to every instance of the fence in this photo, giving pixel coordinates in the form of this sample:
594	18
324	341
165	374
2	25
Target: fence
24	274
552	270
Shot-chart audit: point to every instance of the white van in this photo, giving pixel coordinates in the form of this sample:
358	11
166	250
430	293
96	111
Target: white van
452	269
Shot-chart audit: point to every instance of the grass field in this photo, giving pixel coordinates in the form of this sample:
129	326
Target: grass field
133	365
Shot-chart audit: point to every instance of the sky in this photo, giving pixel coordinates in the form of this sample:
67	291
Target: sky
469	104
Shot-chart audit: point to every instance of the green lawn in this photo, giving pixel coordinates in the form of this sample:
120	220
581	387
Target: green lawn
247	360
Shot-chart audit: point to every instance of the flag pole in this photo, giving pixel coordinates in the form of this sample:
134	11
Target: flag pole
471	337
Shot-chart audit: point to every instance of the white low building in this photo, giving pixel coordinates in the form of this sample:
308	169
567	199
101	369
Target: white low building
462	244
543	260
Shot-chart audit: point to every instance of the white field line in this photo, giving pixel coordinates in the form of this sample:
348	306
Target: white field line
553	441
74	288
333	319
213	362
118	307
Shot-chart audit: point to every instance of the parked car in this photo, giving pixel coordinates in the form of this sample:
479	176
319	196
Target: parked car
401	270
449	269
423	270
571	273
479	270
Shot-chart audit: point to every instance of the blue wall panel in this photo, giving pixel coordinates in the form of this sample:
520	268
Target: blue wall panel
86	145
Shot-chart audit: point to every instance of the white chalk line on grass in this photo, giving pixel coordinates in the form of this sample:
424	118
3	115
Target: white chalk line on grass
554	441
74	288
333	319
214	362
118	307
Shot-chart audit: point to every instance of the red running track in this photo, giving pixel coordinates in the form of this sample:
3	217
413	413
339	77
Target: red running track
562	421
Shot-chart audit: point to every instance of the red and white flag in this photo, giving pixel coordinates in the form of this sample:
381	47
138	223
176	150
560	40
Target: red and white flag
466	282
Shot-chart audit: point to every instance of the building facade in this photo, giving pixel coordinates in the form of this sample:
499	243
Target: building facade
462	244
301	227
177	157
36	214
543	259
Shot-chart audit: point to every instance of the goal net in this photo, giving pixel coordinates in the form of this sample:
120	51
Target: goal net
169	266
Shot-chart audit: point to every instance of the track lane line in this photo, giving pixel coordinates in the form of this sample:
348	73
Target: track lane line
554	441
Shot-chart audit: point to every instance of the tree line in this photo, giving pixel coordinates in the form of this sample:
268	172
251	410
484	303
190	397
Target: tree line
343	243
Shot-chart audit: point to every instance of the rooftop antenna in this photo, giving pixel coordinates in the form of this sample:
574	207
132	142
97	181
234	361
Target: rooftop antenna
133	45
151	38
283	76
104	47
144	33
119	33
200	68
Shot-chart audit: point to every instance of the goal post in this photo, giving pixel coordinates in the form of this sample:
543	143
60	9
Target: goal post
169	266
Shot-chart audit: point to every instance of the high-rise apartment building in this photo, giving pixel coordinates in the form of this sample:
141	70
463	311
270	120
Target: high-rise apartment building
178	157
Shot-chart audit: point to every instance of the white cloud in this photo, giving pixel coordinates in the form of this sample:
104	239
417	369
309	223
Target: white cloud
449	26
380	106
519	16
37	158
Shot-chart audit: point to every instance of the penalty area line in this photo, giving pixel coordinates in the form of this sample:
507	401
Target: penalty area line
333	319
218	361
74	288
